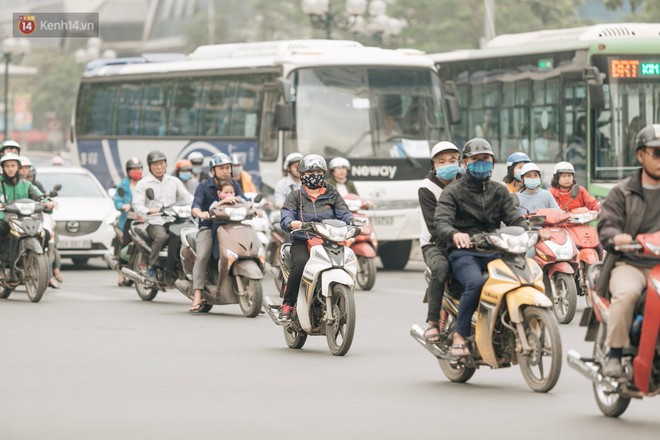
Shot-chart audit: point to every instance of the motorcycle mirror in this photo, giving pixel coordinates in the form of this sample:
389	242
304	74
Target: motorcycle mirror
150	194
258	198
122	192
575	191
53	193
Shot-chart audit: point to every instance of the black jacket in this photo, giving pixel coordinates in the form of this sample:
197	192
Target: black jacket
428	203
472	206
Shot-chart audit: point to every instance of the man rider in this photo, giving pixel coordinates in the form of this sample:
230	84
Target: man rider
168	190
290	181
632	207
205	195
472	205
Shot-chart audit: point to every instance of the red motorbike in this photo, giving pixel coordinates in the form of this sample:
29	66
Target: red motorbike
585	238
365	247
641	361
557	256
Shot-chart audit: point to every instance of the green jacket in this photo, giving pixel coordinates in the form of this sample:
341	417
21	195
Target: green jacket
22	190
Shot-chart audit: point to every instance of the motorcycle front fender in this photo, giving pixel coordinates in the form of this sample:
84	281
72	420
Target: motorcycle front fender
525	296
561	266
335	276
363	249
248	269
588	255
29	243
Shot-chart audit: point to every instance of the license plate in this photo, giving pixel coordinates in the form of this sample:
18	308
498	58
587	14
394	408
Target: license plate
74	244
382	220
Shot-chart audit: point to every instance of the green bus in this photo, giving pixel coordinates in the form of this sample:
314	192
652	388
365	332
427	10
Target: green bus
579	95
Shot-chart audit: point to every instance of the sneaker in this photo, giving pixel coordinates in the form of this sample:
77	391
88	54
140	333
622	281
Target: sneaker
612	367
151	274
286	312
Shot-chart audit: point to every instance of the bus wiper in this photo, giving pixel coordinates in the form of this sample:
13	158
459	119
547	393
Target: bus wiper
412	160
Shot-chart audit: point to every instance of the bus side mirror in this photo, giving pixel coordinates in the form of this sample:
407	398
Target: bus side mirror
284	117
284	87
453	109
594	81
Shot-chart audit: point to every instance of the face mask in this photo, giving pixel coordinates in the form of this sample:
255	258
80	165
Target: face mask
312	181
517	176
135	174
185	176
225	195
480	169
236	171
532	183
447	172
197	169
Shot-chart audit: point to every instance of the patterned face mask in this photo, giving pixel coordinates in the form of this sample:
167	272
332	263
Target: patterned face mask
312	181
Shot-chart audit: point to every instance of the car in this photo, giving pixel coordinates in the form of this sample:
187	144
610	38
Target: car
83	215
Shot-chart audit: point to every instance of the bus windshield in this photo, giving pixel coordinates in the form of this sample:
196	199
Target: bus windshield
359	112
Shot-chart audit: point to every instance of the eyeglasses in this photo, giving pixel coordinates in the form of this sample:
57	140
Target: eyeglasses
655	152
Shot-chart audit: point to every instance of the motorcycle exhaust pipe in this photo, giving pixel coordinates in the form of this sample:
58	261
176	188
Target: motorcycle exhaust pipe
136	277
271	309
418	335
588	370
184	287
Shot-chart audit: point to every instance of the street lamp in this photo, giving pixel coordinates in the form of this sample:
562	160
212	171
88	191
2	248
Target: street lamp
323	16
11	47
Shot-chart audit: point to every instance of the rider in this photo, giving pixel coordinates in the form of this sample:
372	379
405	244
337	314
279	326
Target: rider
514	163
183	171
168	190
472	205
531	197
10	146
563	180
240	175
123	203
318	201
444	159
290	181
339	168
205	195
632	207
197	160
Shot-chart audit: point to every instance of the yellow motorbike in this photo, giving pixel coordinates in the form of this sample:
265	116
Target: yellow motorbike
513	323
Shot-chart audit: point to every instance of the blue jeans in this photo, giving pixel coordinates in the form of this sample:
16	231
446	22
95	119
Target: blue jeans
467	268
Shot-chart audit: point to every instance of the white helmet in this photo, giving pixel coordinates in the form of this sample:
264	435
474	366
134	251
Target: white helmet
529	166
10	156
339	162
563	167
196	157
25	162
443	146
291	159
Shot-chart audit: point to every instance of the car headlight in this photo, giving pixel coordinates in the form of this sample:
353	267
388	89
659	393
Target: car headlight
236	214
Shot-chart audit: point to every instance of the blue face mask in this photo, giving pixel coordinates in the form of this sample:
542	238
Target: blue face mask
447	172
480	169
517	175
532	183
185	176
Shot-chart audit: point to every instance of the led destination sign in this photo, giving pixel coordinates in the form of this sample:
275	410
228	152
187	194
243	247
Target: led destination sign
634	68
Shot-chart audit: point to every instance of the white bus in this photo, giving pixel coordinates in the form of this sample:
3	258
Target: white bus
381	109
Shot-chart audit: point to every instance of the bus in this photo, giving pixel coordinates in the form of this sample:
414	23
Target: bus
579	95
380	109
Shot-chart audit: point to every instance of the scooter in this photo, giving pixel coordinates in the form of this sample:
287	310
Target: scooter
641	361
325	304
114	259
365	247
513	323
237	275
557	257
27	248
277	238
585	238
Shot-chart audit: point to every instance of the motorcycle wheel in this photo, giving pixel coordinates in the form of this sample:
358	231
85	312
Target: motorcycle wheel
610	404
4	294
36	275
340	333
565	301
366	274
140	266
458	373
542	333
206	308
294	336
251	302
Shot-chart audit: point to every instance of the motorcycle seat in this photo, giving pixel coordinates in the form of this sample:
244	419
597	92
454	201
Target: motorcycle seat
141	230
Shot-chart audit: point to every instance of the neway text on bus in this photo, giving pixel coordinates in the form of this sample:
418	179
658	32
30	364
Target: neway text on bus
375	170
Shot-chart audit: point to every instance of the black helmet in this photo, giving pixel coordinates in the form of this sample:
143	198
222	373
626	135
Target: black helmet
649	136
477	146
155	156
133	163
312	162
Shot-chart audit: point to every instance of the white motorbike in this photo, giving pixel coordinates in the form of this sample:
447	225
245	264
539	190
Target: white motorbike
325	304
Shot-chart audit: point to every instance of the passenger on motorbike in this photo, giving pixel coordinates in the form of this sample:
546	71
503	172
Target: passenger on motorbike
197	160
123	204
472	205
226	194
339	168
513	179
205	195
531	196
563	180
632	207
183	171
444	160
168	190
240	175
10	146
290	182
314	201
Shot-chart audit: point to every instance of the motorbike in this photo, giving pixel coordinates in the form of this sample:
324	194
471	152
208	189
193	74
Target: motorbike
113	259
641	361
513	323
365	247
27	249
277	238
177	218
325	304
557	257
585	238
237	276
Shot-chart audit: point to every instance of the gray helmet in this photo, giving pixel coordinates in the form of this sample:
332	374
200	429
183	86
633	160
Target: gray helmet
156	156
649	136
290	159
133	163
219	159
312	162
477	146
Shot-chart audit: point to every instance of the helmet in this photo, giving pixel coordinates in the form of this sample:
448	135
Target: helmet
517	157
196	157
219	159
25	162
155	156
443	146
236	159
133	163
183	164
312	162
529	166
291	159
9	143
649	136
10	156
339	162
57	161
563	167
477	146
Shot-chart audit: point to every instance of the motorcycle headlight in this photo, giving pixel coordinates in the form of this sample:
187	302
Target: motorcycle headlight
182	211
321	230
231	257
17	227
236	214
354	205
337	234
516	244
25	208
655	249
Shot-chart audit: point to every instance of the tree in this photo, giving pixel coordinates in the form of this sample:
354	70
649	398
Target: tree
642	10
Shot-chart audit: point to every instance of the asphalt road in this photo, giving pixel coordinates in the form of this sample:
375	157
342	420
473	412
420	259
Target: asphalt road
92	361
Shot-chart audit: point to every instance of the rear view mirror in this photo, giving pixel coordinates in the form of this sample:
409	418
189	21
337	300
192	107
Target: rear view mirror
57	187
284	117
150	194
258	198
453	109
575	191
594	81
121	191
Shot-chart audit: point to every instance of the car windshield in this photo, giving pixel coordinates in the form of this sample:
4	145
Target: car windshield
73	184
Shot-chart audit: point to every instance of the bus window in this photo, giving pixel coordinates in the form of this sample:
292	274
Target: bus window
268	131
575	128
244	108
98	109
184	110
155	101
214	110
545	121
128	110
